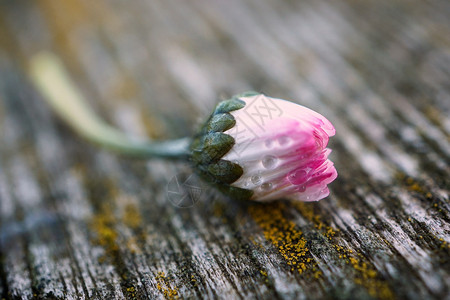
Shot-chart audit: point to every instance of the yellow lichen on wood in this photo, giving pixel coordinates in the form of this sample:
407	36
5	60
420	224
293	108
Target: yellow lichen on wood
365	274
317	274
132	217
413	185
283	234
131	291
163	285
307	211
103	225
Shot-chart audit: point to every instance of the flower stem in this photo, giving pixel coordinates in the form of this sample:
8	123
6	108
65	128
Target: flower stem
51	79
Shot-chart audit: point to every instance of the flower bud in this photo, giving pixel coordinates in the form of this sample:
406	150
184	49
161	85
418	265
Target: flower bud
261	148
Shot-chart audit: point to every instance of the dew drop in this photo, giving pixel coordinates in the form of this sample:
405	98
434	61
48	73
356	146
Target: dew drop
268	143
256	179
298	177
283	140
269	161
302	188
266	186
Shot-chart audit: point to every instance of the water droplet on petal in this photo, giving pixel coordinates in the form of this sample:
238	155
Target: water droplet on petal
256	179
302	188
298	177
266	186
268	143
269	161
283	140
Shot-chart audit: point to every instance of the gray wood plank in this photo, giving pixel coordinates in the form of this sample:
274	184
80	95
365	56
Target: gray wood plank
78	222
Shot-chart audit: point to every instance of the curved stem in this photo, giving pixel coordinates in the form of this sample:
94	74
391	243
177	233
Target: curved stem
51	79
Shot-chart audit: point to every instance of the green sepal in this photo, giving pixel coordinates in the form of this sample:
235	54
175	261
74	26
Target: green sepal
229	105
211	144
211	147
225	171
246	94
220	123
234	103
224	188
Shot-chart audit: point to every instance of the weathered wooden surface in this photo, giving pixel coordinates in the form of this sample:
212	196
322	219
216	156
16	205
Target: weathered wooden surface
78	222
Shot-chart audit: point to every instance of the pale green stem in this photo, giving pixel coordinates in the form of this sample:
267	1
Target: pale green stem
52	80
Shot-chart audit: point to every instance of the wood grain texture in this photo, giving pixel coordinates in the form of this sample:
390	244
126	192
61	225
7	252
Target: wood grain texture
78	222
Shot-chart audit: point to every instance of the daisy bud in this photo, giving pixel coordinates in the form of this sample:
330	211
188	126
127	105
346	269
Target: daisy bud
261	148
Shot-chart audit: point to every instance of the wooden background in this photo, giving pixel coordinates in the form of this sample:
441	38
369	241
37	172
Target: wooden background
79	222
